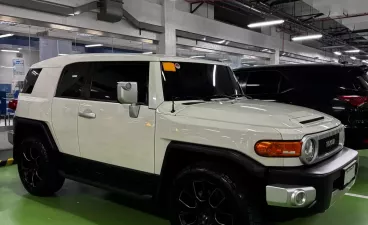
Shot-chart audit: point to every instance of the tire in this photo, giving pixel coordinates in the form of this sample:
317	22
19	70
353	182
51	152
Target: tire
205	195
37	168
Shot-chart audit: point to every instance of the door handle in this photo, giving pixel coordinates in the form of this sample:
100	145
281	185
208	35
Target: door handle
87	114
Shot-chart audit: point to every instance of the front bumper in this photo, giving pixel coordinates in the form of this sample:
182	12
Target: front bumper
10	136
323	183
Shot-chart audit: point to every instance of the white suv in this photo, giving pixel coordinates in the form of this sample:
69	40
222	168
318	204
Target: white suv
180	132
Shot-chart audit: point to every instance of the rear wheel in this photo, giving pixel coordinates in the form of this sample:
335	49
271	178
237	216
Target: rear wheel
37	168
206	196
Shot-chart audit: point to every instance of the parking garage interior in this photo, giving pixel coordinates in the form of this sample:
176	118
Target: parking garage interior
239	34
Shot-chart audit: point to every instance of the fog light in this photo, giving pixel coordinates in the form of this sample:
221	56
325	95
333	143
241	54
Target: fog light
298	198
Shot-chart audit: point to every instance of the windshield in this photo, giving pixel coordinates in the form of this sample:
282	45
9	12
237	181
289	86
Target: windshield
193	81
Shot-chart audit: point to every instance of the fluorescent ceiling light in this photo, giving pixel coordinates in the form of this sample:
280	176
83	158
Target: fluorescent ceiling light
6	35
251	8
202	49
85	35
5	50
353	51
147	53
19	48
307	37
9	23
337	53
334	46
197	56
266	23
221	42
94	45
353	58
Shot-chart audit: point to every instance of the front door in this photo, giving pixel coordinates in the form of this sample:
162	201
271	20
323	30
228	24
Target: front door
106	131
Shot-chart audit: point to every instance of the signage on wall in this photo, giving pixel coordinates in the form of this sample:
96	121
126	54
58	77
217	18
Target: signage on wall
18	66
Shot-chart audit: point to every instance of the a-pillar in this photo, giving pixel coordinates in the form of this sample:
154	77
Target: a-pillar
167	44
275	58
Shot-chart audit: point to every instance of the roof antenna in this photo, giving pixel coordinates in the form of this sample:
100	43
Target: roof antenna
172	105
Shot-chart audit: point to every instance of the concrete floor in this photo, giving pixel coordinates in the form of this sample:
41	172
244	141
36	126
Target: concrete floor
83	205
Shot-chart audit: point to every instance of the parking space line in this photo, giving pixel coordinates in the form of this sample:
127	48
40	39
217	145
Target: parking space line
356	195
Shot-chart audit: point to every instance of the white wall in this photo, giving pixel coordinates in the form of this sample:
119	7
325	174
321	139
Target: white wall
6	60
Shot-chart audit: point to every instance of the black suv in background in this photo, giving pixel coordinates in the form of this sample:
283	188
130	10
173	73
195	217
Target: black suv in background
338	90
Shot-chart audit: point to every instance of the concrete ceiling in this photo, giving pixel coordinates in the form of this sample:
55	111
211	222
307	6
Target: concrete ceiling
343	7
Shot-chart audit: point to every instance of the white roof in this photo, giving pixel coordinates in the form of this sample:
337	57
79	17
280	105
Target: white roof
61	61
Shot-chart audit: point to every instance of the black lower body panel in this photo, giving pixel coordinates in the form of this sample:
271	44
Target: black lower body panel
326	177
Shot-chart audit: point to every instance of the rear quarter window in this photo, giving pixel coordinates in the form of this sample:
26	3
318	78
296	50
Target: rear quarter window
30	80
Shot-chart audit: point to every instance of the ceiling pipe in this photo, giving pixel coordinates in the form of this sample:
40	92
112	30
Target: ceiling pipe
340	17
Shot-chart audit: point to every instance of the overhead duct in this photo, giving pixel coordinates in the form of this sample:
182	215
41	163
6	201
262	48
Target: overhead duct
49	7
110	11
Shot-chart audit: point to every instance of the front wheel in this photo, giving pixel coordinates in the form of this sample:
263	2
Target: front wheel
206	196
37	168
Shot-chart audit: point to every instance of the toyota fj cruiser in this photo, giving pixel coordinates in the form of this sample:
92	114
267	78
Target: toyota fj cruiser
177	131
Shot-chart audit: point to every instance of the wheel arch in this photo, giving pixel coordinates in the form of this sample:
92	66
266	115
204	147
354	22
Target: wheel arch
180	155
24	127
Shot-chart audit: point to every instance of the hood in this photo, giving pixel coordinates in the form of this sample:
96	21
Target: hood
252	112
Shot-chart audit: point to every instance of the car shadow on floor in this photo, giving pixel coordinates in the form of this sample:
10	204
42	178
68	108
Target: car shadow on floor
101	207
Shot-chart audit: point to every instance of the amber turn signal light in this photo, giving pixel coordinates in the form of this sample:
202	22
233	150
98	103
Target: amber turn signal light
278	148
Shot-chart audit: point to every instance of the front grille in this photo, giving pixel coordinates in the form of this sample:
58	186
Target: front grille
328	144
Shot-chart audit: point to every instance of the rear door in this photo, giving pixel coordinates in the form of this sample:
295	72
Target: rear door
69	95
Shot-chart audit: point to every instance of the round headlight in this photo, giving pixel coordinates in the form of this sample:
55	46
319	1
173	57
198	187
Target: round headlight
309	151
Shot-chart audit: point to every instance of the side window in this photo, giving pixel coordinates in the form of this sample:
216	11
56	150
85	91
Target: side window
72	80
263	82
30	80
106	75
285	85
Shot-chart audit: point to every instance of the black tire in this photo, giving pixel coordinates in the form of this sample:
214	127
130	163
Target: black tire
37	168
194	193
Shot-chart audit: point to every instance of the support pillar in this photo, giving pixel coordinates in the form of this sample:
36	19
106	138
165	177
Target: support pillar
275	58
167	44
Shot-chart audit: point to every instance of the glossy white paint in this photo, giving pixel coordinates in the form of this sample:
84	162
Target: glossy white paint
115	138
64	123
236	124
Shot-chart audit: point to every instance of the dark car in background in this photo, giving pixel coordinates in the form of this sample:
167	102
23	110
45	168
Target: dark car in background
337	90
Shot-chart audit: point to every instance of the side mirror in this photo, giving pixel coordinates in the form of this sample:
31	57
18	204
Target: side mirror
127	92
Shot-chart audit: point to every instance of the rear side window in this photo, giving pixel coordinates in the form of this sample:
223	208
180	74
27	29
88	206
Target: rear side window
30	80
72	80
106	75
263	82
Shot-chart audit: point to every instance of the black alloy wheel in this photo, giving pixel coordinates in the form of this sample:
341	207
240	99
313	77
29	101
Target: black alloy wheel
31	165
206	195
204	203
37	168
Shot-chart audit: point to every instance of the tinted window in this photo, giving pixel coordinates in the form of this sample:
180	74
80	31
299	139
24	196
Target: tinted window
106	75
285	85
30	80
263	82
242	77
190	81
72	80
